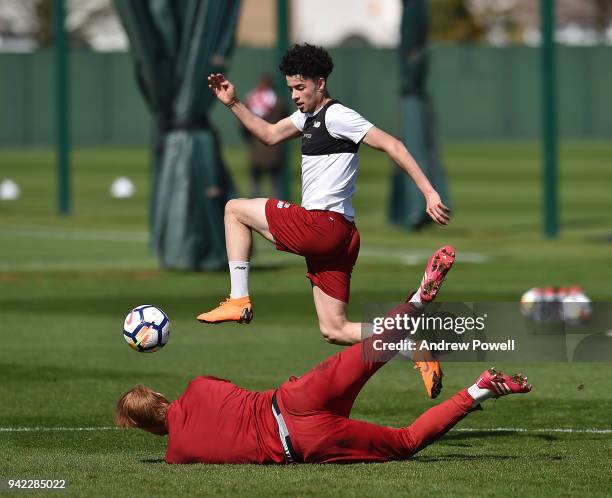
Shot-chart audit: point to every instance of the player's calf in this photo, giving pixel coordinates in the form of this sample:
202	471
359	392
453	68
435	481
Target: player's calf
437	268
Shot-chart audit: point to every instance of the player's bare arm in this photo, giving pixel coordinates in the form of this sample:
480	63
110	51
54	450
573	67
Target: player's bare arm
397	151
267	133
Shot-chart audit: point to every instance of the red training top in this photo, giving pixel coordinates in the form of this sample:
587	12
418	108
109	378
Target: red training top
215	421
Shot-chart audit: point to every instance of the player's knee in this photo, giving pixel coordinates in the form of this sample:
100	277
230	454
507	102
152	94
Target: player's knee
232	207
229	207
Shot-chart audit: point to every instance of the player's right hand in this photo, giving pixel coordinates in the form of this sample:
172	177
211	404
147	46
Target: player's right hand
222	88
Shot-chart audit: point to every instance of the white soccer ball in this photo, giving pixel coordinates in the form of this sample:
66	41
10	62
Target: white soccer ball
122	188
577	308
531	301
9	190
146	328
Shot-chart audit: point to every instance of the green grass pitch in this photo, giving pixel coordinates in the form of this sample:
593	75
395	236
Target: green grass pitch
66	284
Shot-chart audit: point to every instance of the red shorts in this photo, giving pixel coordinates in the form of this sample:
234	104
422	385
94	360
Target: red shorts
328	241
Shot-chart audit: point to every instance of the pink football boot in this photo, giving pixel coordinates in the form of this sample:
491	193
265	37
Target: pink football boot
437	267
501	384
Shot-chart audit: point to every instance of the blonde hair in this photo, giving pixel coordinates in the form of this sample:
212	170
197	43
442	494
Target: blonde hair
141	407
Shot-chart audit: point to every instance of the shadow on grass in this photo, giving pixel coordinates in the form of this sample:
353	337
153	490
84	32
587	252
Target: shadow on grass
460	436
462	456
419	459
47	373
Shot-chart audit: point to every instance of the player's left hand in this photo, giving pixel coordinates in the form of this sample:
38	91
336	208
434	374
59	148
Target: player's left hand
436	208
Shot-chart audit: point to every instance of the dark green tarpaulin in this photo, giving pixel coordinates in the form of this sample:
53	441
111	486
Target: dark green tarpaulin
175	44
418	130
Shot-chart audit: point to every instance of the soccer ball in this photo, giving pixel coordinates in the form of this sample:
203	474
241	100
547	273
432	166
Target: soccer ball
531	301
146	329
577	308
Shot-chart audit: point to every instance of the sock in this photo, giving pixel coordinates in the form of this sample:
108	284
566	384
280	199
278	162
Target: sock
407	353
479	394
239	277
416	299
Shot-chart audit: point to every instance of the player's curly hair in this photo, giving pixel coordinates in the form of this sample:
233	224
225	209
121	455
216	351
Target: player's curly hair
306	60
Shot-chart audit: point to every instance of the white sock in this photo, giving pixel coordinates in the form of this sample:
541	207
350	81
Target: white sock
407	353
479	394
416	298
239	277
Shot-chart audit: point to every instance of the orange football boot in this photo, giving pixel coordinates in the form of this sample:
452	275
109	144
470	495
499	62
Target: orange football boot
429	368
231	310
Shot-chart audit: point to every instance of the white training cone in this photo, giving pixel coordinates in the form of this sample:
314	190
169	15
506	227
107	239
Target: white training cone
122	188
9	190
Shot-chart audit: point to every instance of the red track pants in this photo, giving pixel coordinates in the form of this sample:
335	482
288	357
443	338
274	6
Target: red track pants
316	407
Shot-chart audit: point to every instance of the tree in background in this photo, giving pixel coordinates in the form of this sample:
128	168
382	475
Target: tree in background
604	16
579	22
497	20
453	21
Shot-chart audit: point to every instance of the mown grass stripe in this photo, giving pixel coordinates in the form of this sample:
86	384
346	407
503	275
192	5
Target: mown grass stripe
489	430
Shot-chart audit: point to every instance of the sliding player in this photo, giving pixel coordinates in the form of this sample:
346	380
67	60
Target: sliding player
305	420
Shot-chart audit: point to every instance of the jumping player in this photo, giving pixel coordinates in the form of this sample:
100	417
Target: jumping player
322	229
305	420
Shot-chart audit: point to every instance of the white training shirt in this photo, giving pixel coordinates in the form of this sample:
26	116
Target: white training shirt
328	180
